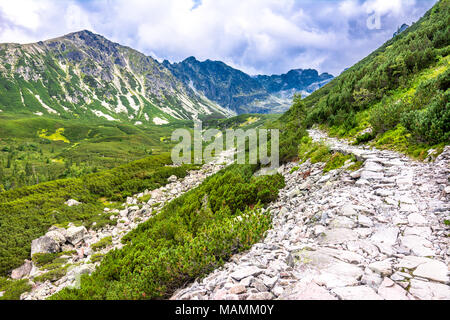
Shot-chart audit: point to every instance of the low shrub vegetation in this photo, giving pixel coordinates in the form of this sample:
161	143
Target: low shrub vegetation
103	243
190	237
337	160
12	289
27	213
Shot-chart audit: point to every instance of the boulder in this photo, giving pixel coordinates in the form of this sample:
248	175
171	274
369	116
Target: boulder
429	290
238	289
246	272
383	267
22	271
75	235
131	201
172	179
44	244
356	293
390	291
72	202
433	270
306	291
58	235
76	271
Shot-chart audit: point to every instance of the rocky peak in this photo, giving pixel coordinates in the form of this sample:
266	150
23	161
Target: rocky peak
243	93
400	29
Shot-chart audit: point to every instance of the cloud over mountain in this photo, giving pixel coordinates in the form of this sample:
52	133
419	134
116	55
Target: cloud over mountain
257	36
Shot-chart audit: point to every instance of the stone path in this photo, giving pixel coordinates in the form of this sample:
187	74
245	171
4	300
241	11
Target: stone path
376	233
81	240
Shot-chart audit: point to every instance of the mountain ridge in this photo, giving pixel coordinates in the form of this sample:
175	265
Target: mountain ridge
85	75
244	93
83	71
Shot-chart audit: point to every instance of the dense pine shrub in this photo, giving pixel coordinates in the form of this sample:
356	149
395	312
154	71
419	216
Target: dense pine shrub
27	213
193	235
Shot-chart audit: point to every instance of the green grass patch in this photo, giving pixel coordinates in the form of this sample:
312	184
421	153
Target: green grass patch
13	288
103	243
294	169
315	151
45	259
52	275
56	136
145	198
336	161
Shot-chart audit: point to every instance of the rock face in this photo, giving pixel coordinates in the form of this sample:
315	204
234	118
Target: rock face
347	235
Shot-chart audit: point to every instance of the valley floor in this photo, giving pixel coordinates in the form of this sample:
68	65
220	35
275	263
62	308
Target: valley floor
377	233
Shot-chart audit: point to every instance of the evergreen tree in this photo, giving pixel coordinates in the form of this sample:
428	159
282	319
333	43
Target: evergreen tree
28	169
8	163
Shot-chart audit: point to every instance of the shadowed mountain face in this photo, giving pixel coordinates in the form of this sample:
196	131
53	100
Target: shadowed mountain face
84	75
243	93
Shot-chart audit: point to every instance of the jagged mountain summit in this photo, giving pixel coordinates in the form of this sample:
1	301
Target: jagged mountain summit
242	93
84	75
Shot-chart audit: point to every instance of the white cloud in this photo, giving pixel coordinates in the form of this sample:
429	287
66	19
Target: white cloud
258	36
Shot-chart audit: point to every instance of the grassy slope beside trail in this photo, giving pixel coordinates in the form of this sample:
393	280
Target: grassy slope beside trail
27	213
400	90
193	235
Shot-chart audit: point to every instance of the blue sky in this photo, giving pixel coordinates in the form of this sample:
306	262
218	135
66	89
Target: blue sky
256	36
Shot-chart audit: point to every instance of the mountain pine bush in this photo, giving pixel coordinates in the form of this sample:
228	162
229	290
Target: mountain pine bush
192	235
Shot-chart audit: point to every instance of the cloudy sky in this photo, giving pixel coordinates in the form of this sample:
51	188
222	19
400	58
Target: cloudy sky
256	36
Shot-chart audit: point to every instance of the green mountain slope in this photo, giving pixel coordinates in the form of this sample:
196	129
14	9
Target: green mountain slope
84	75
398	95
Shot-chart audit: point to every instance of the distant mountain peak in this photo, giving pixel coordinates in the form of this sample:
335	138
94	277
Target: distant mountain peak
240	92
400	29
86	75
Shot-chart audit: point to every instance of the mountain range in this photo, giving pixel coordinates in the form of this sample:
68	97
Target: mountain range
243	93
84	75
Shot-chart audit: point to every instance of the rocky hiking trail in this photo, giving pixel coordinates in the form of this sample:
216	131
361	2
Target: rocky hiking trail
375	233
81	241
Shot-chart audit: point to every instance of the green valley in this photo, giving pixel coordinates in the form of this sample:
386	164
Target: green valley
39	149
85	141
